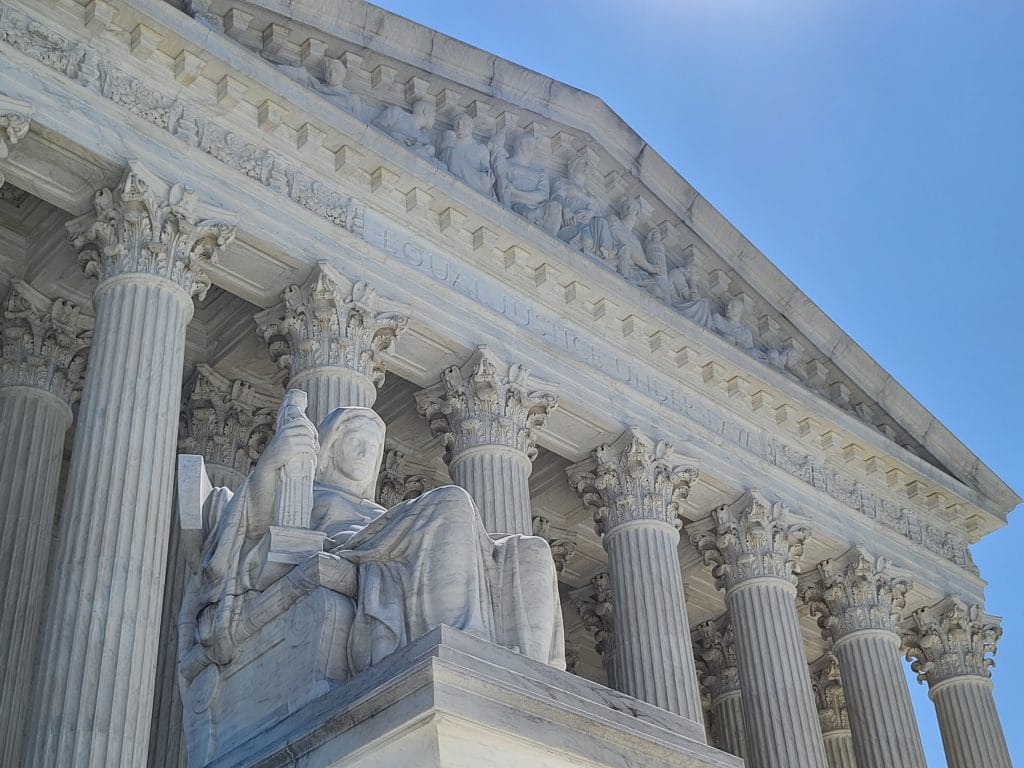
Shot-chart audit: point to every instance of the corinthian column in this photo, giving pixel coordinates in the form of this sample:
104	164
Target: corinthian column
14	122
636	489
753	552
42	358
835	721
951	644
489	412
94	688
858	600
228	423
329	335
714	648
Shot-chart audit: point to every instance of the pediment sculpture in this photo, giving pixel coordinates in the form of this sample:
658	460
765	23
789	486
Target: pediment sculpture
299	577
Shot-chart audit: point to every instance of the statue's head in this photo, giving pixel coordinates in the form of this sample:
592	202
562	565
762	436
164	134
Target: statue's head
734	309
524	146
351	450
424	113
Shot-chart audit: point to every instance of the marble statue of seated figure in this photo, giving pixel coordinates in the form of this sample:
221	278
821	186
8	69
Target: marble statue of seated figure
425	562
467	158
410	130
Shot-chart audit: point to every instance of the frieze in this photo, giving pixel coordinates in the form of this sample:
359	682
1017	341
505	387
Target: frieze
72	60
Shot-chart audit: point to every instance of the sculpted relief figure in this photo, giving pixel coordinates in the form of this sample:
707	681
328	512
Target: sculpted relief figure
331	87
522	182
731	326
467	158
683	297
356	584
581	225
630	257
410	130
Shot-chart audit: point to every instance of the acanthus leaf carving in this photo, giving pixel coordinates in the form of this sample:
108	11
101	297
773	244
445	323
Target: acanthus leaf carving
396	483
594	606
829	696
634	478
714	650
950	639
563	545
748	539
487	401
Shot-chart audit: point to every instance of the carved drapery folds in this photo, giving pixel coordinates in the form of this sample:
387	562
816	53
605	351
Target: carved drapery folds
44	343
396	482
748	539
827	684
226	422
487	401
334	322
144	227
950	639
855	592
14	123
633	479
714	649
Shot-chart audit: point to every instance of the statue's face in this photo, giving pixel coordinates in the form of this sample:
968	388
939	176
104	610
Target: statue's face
356	452
734	310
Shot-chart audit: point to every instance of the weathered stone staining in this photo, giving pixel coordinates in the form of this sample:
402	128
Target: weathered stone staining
322	597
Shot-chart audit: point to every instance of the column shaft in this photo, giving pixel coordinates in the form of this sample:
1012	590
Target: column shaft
839	749
782	729
498	479
651	629
94	689
330	387
728	711
882	718
32	428
971	732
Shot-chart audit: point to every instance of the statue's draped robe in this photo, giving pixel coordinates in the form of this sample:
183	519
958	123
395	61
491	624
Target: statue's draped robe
427	561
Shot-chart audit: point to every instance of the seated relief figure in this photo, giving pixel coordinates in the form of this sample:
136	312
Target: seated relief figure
731	326
410	130
683	297
581	225
522	183
467	158
630	257
298	575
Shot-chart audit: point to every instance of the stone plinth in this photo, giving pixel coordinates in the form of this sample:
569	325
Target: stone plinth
450	699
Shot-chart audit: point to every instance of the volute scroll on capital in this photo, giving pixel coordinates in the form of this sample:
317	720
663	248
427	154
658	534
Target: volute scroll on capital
44	343
714	650
634	478
15	116
829	696
143	226
595	608
750	538
854	592
951	639
487	401
331	320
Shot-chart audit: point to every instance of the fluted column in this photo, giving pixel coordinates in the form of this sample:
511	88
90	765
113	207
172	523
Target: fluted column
94	689
488	412
636	488
753	551
228	423
827	684
42	358
594	606
329	335
951	644
14	124
858	600
714	649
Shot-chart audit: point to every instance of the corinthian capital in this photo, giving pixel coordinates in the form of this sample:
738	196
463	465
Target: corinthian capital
594	606
950	639
714	650
749	539
227	422
145	227
14	121
562	543
486	401
44	343
828	694
855	591
397	482
634	478
332	321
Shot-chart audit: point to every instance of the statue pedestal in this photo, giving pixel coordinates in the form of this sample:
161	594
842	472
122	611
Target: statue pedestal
450	699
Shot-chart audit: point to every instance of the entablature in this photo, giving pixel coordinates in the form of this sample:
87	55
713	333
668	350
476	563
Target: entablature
477	271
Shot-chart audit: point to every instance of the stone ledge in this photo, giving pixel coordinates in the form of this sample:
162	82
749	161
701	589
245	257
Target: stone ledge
451	699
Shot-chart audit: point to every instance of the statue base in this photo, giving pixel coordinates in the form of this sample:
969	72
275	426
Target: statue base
450	699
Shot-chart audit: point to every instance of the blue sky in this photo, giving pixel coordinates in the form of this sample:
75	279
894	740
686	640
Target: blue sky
873	151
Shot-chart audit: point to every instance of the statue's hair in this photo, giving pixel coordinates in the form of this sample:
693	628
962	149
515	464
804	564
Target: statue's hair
334	426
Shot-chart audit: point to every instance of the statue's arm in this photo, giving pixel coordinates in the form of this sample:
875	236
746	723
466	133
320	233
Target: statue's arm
294	438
